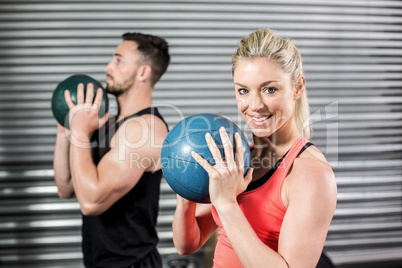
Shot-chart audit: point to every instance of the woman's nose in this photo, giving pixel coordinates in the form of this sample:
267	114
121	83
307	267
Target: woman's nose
256	102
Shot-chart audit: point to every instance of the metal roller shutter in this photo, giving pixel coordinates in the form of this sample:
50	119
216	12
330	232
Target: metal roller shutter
353	62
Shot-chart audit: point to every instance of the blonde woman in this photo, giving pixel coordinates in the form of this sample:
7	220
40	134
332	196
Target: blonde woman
278	215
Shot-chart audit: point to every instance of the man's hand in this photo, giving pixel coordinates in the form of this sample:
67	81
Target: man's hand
84	116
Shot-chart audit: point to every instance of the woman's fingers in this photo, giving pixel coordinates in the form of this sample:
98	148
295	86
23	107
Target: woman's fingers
249	177
215	152
229	156
227	147
239	151
204	163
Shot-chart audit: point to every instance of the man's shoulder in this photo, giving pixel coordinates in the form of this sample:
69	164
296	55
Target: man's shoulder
141	133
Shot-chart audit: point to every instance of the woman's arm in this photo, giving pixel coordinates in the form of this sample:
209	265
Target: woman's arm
192	225
310	193
311	205
310	198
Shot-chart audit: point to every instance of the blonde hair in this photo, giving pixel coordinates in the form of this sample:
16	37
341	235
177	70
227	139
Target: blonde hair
265	44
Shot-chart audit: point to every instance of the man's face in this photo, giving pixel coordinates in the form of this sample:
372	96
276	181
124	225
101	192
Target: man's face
121	71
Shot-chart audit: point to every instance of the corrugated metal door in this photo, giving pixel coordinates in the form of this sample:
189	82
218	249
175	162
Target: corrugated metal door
353	61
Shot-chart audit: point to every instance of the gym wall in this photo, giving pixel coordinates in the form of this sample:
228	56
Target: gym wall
352	52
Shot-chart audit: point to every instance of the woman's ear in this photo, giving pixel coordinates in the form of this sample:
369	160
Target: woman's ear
300	87
144	73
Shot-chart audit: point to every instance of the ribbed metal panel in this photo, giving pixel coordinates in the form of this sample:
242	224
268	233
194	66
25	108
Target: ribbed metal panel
352	53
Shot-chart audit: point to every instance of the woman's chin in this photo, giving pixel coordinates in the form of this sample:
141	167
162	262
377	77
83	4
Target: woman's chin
261	132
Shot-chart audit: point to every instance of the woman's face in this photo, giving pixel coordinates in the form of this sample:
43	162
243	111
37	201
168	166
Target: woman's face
266	96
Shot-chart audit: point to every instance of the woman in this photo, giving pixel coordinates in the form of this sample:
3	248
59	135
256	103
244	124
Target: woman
278	215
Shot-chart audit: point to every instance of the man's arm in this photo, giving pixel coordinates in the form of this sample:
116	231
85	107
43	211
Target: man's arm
61	165
99	187
134	150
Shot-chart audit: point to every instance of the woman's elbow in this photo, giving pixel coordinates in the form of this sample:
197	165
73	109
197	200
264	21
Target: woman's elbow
185	247
185	251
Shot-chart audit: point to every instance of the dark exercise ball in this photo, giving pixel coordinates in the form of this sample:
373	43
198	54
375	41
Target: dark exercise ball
59	106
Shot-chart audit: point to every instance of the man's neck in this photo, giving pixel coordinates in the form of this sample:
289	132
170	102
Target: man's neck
134	101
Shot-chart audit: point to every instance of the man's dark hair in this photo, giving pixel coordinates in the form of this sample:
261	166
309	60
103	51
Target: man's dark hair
155	51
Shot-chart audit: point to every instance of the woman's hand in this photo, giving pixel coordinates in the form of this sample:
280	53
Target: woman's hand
226	179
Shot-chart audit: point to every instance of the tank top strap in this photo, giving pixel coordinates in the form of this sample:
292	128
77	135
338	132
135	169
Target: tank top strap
291	156
148	110
102	137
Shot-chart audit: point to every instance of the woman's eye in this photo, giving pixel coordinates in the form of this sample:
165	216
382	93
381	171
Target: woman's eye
242	91
270	90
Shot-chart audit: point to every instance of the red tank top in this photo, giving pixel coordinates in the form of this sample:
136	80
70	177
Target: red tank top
264	210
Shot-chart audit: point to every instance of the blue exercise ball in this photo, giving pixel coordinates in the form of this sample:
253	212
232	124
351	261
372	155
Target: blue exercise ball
183	174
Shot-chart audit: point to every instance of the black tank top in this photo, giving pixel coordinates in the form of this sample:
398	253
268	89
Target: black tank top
125	233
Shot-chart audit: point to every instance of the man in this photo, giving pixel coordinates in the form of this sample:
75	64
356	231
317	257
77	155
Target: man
112	165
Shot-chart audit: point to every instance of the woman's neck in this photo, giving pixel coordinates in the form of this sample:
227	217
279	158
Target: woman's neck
268	150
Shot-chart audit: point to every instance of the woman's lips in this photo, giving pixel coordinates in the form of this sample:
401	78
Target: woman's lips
260	120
